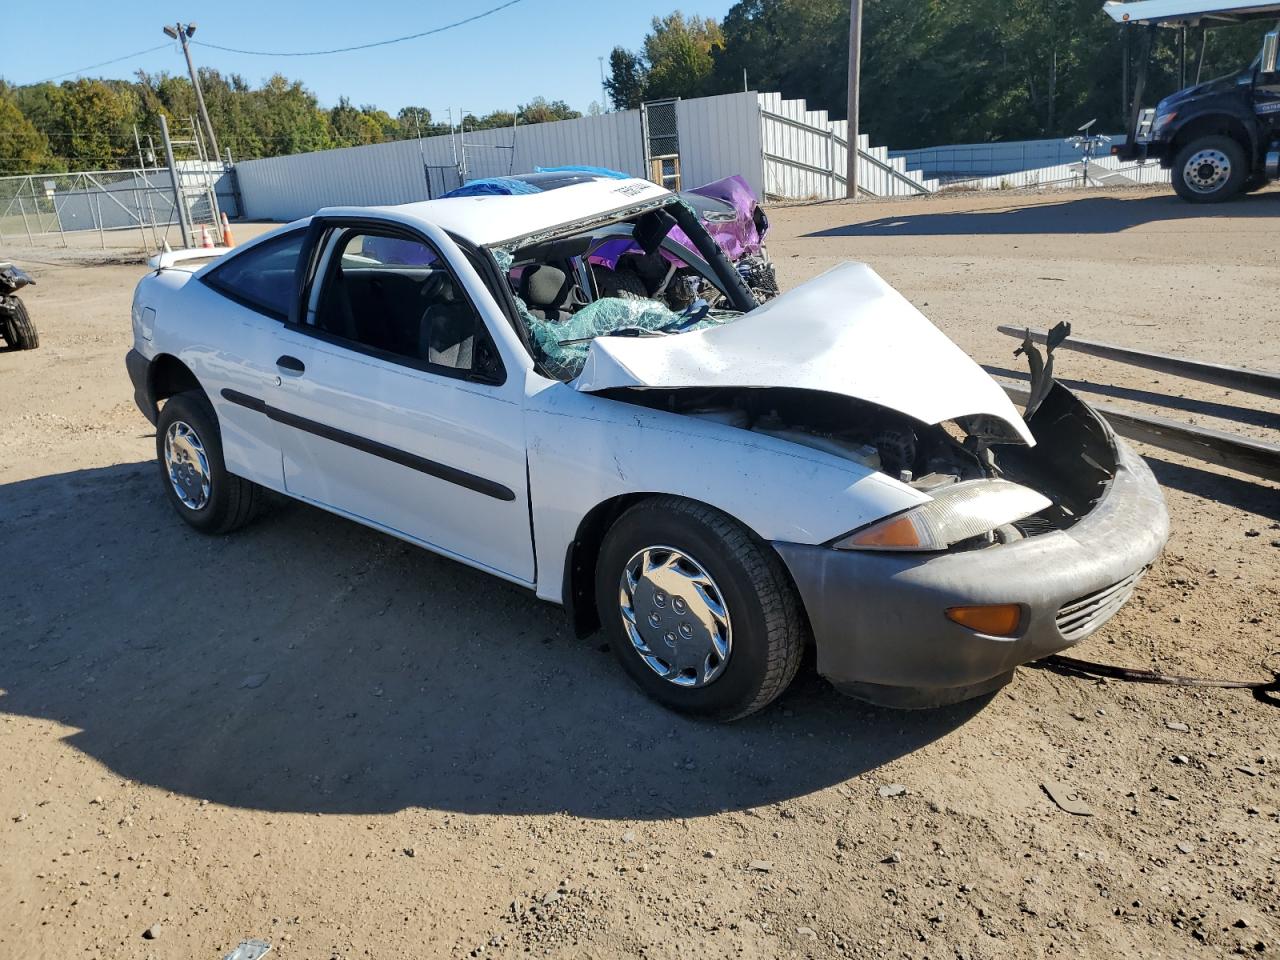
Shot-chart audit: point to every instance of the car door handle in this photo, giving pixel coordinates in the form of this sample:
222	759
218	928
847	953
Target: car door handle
291	363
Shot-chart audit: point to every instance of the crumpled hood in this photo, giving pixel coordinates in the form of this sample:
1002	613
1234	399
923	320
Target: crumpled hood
845	332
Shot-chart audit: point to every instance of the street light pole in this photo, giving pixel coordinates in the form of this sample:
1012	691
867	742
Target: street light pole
182	32
855	76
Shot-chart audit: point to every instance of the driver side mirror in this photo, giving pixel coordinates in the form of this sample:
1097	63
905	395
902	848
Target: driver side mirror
1270	45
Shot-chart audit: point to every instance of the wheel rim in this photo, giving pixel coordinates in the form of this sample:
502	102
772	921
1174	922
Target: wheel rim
1206	170
187	464
675	616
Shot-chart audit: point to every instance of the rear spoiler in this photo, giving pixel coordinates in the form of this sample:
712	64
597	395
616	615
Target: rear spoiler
169	258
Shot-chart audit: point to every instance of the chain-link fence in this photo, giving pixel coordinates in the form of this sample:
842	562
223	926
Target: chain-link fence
174	195
111	208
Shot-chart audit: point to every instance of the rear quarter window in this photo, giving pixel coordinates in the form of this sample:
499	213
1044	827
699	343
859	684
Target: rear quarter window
263	277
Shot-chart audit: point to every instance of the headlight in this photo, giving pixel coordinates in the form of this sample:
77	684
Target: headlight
1162	121
956	513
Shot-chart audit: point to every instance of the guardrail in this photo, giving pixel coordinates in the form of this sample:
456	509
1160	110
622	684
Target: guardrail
1256	457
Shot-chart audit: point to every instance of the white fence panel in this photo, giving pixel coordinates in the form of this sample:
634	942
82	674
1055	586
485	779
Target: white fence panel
1103	171
720	136
285	188
805	156
613	140
960	160
781	147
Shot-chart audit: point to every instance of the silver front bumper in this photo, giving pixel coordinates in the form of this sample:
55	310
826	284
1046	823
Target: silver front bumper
878	618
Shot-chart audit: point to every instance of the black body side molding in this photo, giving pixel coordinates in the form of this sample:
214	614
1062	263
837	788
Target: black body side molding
432	468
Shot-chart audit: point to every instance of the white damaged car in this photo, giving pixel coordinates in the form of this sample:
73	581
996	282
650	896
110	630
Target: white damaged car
712	482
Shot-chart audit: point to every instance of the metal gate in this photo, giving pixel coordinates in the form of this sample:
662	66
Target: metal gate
661	142
136	207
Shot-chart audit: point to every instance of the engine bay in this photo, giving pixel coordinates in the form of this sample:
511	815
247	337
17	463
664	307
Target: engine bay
1071	464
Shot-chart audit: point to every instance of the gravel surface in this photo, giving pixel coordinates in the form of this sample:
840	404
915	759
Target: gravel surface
320	736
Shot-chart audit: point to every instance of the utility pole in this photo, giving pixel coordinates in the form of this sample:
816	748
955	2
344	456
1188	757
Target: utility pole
604	91
182	33
855	76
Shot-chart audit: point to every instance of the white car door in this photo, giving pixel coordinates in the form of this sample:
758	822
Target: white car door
394	407
227	335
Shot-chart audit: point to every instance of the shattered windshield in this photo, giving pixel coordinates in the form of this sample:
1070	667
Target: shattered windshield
638	276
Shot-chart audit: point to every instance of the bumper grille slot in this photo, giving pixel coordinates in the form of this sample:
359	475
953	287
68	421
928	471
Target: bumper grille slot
1085	614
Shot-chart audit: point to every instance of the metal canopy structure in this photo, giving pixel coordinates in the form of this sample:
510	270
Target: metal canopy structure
1189	13
1183	16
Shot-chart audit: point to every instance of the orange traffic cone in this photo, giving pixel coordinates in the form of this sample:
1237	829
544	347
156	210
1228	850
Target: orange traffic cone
206	240
227	239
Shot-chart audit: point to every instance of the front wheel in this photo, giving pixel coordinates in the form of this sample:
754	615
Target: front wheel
700	612
1210	170
19	331
189	450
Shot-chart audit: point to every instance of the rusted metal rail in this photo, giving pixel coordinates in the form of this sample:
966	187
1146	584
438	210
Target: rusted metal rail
1261	382
1228	450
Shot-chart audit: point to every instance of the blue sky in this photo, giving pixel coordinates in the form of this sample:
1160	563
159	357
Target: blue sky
537	47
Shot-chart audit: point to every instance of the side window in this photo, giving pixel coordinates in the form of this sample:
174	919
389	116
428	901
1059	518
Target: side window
397	296
263	277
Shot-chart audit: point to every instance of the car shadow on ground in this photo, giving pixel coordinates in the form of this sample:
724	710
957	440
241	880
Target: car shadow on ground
309	664
1085	215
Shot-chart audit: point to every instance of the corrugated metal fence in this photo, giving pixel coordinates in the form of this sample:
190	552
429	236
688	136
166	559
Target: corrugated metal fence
805	153
285	188
960	161
778	146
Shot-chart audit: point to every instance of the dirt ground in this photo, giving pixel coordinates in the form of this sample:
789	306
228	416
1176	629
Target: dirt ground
317	735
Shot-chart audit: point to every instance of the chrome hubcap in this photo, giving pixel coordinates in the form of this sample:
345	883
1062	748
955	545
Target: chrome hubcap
1206	170
675	616
187	464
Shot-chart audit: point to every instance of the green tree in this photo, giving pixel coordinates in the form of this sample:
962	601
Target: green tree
415	121
287	118
23	148
542	110
936	72
96	121
627	75
680	54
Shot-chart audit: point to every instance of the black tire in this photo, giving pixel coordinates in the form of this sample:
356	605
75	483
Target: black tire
1217	152
19	331
768	629
230	501
620	283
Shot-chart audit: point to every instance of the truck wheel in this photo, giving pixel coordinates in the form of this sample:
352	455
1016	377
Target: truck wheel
189	450
699	611
1210	170
19	331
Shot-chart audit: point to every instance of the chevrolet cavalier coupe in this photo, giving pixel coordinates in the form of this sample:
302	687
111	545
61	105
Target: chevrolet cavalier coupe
713	482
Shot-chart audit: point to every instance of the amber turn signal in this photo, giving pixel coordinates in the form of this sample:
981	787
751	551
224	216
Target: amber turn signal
996	619
899	533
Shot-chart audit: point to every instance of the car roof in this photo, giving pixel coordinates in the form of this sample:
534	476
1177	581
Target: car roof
491	220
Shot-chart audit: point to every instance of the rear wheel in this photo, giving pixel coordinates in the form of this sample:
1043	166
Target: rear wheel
700	612
189	450
19	331
1210	170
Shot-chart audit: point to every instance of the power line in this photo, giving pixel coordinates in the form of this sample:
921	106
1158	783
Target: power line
94	66
362	46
